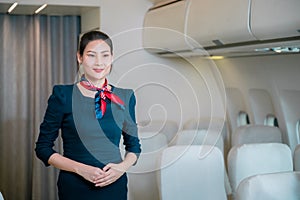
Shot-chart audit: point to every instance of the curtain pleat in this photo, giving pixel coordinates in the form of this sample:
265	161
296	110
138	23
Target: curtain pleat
36	52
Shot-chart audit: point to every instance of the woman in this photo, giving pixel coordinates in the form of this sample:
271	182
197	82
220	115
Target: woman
92	116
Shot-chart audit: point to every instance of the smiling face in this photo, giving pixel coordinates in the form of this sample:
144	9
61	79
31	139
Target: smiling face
96	61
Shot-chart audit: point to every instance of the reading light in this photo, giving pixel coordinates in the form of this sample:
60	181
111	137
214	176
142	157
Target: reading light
40	9
263	49
12	7
286	49
216	57
294	49
277	49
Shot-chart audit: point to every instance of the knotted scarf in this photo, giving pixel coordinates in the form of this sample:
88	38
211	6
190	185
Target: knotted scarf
102	94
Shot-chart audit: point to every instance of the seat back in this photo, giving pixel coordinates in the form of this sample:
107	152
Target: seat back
253	159
236	109
275	186
200	137
168	127
291	113
192	172
262	106
256	134
297	158
216	124
142	177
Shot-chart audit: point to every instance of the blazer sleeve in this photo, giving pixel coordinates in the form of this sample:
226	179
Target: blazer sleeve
130	130
50	125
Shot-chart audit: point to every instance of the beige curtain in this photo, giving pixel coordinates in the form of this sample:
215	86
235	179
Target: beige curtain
36	52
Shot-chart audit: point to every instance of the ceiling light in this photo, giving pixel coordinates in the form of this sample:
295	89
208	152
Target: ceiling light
216	57
40	9
12	7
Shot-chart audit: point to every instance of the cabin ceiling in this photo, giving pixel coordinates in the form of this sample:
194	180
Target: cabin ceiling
49	10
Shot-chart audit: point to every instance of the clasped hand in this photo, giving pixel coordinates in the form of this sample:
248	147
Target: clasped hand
103	177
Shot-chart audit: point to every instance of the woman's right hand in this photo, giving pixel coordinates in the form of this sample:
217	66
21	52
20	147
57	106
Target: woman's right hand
90	173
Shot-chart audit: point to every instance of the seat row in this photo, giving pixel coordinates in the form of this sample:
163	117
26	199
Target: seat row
256	106
190	163
199	173
211	131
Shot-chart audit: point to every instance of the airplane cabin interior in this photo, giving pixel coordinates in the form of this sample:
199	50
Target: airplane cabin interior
217	95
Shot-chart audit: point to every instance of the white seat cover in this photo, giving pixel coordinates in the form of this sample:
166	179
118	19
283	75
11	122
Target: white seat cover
236	106
291	113
216	124
253	159
256	134
210	123
193	173
203	137
275	186
261	105
169	128
200	137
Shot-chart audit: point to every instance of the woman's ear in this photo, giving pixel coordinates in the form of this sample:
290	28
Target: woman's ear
79	58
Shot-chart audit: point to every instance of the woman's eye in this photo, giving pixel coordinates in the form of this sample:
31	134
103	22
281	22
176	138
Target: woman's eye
105	55
90	55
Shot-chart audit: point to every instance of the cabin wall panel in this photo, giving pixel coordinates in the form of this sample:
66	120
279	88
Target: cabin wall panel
271	73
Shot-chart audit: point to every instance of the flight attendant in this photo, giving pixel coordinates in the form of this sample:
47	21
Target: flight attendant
93	116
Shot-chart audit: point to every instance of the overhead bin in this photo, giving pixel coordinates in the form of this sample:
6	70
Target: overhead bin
164	28
215	22
219	27
272	19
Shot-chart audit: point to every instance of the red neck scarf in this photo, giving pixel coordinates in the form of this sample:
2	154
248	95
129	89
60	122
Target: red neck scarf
100	96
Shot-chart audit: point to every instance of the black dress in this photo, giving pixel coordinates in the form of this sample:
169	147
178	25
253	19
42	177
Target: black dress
88	140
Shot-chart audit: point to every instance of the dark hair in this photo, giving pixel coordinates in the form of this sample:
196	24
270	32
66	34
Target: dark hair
91	36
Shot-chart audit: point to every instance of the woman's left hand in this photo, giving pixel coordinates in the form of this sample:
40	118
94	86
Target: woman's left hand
112	173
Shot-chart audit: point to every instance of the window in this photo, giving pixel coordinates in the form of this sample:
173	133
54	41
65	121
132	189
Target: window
271	120
243	119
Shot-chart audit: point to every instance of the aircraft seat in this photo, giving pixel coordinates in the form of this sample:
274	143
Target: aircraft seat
289	101
192	172
142	177
237	111
274	186
215	124
167	127
262	107
200	137
253	159
203	137
256	134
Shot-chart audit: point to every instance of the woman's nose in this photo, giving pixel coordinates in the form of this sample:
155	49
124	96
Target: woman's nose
98	60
